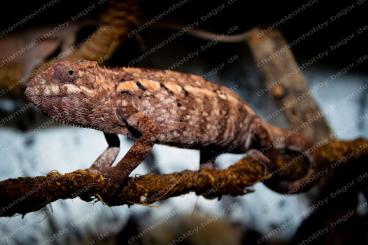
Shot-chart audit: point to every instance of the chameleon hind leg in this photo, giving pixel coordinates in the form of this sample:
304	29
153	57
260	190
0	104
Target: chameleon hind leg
207	159
263	149
267	152
262	145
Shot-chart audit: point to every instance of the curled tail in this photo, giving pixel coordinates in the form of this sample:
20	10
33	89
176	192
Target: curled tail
292	142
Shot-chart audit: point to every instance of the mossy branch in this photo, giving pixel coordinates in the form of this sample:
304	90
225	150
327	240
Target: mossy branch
27	194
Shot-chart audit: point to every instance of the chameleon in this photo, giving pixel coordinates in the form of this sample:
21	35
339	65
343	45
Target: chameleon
156	106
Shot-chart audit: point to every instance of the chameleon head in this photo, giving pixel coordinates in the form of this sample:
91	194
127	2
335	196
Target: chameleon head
71	91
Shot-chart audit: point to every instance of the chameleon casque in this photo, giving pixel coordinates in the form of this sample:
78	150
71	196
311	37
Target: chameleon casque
158	106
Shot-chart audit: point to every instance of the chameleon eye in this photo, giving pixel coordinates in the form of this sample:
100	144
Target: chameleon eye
71	73
64	74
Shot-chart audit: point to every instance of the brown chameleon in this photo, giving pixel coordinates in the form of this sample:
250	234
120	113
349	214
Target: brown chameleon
158	106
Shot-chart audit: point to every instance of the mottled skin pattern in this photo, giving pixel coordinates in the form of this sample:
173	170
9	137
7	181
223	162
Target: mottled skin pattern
156	106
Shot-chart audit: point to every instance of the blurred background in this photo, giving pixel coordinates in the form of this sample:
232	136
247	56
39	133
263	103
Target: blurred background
32	145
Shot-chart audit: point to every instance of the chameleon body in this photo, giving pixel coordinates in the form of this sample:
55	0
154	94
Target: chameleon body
156	106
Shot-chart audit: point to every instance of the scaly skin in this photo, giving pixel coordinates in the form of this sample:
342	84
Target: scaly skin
157	106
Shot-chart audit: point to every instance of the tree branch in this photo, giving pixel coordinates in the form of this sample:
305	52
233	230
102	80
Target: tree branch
287	84
27	194
116	23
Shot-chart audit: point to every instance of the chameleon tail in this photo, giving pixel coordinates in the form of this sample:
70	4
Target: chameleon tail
293	142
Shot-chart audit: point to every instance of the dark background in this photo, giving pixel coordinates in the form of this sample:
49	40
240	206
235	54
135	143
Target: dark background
245	14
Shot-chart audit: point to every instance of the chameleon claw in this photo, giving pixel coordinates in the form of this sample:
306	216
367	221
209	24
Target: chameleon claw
258	155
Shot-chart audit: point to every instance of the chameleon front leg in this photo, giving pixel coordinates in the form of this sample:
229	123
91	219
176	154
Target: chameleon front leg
147	130
107	158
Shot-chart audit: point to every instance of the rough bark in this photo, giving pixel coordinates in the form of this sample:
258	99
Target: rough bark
27	194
